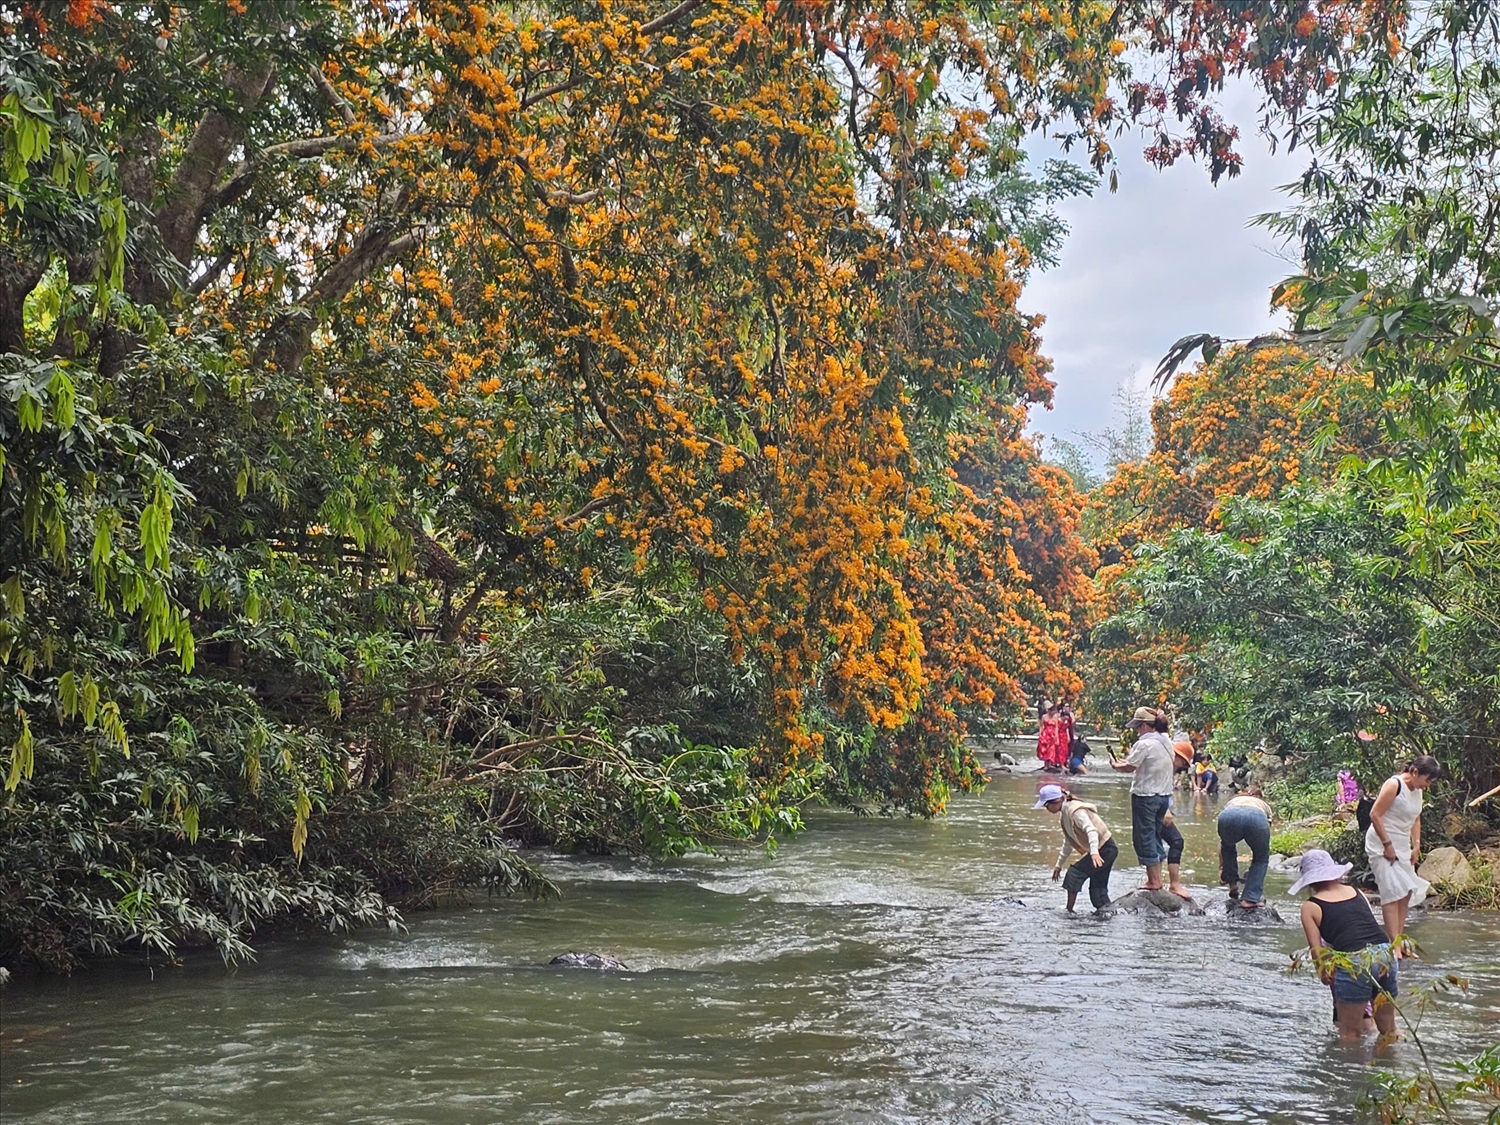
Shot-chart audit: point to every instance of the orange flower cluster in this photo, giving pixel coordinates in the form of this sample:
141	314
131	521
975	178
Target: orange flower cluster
1247	424
650	312
704	292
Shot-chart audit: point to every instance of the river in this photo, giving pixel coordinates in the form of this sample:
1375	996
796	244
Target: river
870	971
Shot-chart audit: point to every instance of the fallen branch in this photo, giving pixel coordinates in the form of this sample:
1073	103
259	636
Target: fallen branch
1484	796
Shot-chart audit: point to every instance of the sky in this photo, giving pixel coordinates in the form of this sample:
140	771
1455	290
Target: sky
1166	255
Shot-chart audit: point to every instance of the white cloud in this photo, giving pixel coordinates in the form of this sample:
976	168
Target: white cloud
1167	255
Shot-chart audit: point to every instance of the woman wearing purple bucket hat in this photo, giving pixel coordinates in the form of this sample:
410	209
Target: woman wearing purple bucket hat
1348	946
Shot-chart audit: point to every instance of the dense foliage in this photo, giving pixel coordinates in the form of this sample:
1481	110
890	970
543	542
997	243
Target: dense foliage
430	425
1344	612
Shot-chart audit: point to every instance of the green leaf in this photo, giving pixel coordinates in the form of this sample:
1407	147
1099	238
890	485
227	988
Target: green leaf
22	758
303	808
88	700
113	727
67	694
12	597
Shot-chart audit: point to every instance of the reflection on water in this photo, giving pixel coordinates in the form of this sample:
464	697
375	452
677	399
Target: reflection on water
871	971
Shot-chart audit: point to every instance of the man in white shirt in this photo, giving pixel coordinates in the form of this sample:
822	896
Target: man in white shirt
1150	760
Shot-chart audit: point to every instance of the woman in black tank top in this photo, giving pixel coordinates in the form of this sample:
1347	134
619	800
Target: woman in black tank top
1348	925
1349	947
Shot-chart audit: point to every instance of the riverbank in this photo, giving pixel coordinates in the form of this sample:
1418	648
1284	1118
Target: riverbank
872	970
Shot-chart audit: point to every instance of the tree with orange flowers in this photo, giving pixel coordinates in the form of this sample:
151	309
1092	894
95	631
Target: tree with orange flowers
1246	424
598	424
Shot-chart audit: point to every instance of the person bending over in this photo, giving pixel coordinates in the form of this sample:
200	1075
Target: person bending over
1338	920
1246	817
1086	833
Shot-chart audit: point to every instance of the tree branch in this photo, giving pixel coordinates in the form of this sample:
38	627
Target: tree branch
210	275
660	23
181	214
668	18
375	247
339	103
243	175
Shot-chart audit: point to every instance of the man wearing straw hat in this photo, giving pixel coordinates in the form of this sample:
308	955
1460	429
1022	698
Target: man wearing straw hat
1150	760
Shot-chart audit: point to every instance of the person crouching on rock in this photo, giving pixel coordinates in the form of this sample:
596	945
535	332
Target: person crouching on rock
1150	759
1351	951
1083	832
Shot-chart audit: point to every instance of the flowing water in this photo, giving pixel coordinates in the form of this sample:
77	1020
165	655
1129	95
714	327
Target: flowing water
871	971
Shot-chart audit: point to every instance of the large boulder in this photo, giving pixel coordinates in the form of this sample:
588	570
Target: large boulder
1447	865
1153	902
575	960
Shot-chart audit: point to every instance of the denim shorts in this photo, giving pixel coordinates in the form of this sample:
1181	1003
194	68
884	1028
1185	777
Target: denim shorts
1363	985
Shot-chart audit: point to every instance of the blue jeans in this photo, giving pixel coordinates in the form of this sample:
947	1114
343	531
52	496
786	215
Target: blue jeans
1146	815
1250	825
1362	986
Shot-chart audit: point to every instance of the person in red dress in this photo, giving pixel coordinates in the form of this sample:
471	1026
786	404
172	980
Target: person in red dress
1052	740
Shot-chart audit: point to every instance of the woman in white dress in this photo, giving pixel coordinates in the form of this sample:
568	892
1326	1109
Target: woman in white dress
1394	842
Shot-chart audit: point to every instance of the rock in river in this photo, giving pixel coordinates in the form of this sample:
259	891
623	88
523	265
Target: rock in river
1263	913
1447	865
1164	902
575	960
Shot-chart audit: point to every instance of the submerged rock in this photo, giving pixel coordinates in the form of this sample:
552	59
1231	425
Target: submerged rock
1264	913
575	960
1161	902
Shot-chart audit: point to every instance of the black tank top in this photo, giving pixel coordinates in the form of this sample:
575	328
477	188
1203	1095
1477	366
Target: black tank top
1349	925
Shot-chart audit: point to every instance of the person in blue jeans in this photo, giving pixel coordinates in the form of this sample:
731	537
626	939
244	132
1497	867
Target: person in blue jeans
1349	946
1247	819
1150	760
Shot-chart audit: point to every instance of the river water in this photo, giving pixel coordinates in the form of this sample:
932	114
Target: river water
871	971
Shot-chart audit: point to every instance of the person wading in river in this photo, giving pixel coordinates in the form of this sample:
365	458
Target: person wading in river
1171	835
1338	918
1083	832
1393	842
1051	741
1150	760
1245	818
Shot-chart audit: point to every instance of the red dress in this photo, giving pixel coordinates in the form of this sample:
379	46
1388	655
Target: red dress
1052	742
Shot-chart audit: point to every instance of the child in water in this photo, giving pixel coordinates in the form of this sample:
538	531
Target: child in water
1338	918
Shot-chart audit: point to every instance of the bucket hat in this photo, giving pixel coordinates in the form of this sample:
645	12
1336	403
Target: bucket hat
1318	867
